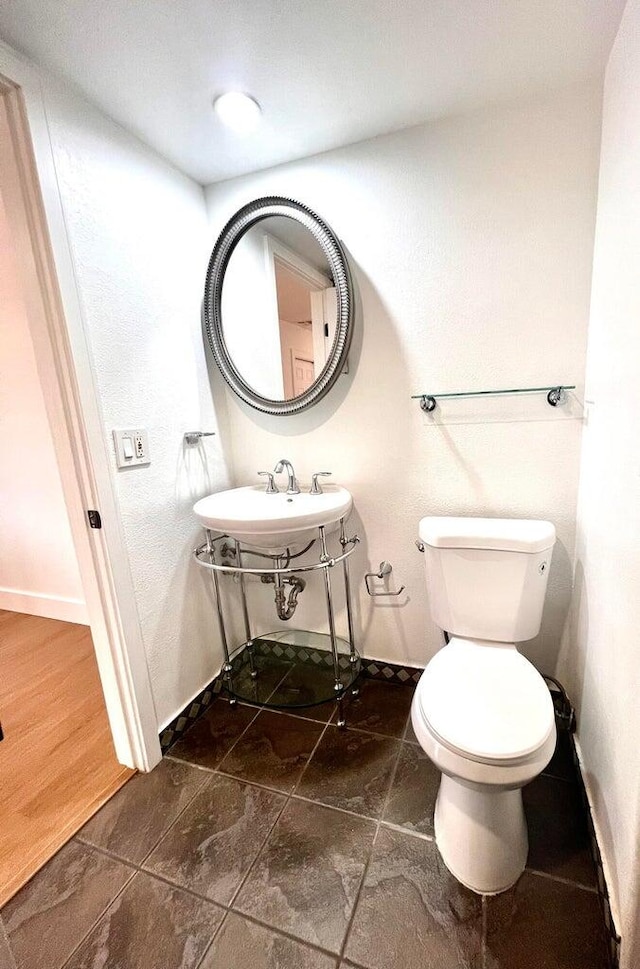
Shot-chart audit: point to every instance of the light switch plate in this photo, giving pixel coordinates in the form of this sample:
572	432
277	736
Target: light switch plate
134	442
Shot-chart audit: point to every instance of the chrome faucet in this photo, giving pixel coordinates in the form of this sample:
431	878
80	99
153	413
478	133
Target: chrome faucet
292	484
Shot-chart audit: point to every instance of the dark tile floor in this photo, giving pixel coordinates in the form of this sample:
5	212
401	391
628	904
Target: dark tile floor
270	840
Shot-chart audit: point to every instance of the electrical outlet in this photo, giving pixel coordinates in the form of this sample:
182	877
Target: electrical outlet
132	447
139	447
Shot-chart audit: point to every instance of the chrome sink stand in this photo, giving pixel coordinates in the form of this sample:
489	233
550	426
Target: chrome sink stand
205	556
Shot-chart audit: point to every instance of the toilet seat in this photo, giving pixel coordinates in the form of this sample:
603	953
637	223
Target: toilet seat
485	702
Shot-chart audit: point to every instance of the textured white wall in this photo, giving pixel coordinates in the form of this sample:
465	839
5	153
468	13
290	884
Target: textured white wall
38	565
137	229
602	657
471	240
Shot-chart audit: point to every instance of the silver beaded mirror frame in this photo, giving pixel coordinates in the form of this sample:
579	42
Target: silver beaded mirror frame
241	222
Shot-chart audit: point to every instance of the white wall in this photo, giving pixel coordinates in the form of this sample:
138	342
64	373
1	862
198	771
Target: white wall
471	240
602	657
250	314
137	229
38	564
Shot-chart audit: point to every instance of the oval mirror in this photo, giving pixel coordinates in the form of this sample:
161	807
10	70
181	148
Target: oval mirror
278	305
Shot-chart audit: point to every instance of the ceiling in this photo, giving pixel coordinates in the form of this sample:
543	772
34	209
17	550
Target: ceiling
326	72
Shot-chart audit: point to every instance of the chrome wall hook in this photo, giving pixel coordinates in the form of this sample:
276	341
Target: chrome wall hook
385	569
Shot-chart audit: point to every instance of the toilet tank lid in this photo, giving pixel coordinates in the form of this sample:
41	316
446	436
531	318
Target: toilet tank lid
505	534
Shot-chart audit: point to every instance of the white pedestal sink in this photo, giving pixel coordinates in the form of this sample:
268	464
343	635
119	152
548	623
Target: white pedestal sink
273	522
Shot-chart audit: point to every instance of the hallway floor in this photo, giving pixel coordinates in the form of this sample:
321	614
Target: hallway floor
266	840
57	764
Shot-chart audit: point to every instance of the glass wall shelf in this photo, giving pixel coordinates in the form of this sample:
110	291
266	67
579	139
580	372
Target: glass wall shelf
460	407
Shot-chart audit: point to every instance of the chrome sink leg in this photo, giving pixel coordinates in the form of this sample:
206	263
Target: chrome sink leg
245	612
337	682
353	656
347	594
227	667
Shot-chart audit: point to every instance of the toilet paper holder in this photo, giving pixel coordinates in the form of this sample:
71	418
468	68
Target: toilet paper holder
385	570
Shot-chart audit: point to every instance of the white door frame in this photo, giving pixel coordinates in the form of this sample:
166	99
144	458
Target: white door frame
35	211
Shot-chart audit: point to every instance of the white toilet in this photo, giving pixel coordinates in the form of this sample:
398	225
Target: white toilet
481	711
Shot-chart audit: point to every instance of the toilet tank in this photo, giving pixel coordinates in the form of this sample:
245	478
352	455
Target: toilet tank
487	577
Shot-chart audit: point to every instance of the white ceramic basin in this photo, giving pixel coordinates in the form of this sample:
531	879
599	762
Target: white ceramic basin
273	522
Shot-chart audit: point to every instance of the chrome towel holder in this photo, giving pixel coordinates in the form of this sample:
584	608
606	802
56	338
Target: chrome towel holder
385	570
193	438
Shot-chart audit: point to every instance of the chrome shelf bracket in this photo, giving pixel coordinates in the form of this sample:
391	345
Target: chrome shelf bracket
428	403
556	396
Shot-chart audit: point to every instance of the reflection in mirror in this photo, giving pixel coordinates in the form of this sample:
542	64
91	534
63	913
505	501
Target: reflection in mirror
278	308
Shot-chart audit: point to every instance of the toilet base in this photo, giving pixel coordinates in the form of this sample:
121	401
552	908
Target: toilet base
481	835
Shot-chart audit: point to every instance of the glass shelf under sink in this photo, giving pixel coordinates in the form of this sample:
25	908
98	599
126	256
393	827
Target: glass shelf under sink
293	669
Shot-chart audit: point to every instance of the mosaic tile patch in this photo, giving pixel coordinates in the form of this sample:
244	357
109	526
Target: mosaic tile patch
192	712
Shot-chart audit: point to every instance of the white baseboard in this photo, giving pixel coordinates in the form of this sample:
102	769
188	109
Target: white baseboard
51	607
602	841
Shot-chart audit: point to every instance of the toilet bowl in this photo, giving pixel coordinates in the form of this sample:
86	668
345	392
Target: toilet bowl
481	711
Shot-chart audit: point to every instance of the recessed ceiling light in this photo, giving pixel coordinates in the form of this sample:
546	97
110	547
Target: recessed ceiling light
238	111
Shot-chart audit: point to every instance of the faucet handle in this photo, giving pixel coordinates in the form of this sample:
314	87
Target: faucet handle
271	488
315	485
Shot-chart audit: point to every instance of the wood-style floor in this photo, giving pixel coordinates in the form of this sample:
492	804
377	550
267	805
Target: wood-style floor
57	763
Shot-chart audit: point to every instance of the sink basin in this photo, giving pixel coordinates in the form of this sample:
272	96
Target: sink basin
273	522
